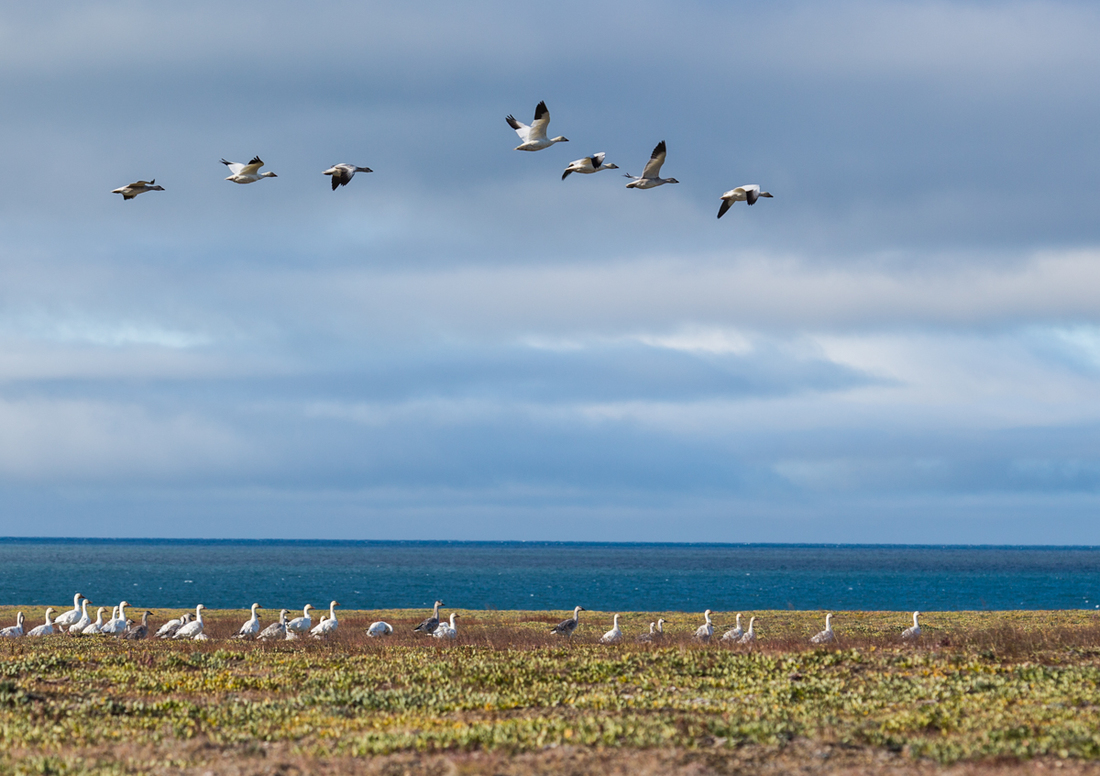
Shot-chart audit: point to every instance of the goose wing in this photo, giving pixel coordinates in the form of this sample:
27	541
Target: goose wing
597	160
253	167
541	122
656	159
234	167
726	205
521	129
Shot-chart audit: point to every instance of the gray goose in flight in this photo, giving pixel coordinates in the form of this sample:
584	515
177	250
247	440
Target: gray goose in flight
343	173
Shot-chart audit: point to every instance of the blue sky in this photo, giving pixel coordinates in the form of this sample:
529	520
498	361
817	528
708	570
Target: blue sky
902	346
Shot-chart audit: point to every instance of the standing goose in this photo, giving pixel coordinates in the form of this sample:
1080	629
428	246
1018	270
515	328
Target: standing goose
45	629
445	630
328	625
741	194
71	616
656	631
276	630
827	634
588	165
429	625
118	624
566	627
131	190
533	138
138	632
300	624
247	173
193	629
76	628
613	636
251	626
13	631
97	626
706	630
734	633
343	173
379	628
168	630
651	175
750	634
909	634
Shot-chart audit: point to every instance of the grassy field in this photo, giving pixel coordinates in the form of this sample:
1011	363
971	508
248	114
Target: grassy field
506	697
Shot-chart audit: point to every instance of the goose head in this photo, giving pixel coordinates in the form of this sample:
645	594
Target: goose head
282	616
305	610
268	174
660	626
765	194
671	180
254	608
363	169
151	187
559	139
49	611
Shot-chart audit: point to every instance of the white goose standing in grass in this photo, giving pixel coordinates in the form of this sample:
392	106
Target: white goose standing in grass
613	636
651	175
85	620
909	634
826	635
168	630
118	624
193	629
300	624
706	630
588	165
533	138
328	625
447	630
13	631
131	190
343	173
750	634
430	624
566	627
46	629
276	630
251	626
68	618
97	626
748	194
734	633
247	173
379	628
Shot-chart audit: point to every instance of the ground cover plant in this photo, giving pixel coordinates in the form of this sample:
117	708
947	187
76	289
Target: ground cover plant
979	687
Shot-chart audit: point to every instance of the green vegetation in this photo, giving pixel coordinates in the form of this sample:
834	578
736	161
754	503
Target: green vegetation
977	686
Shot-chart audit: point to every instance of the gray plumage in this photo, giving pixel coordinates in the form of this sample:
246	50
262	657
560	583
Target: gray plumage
566	627
429	625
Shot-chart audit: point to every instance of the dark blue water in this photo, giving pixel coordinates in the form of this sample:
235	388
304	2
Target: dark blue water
534	575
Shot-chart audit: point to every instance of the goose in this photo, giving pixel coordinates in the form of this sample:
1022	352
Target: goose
613	636
131	190
734	633
750	634
910	634
588	165
276	630
96	626
429	625
247	173
706	630
379	629
13	631
116	625
193	628
566	627
45	629
328	625
300	624
447	631
648	636
71	616
343	173
251	626
651	175
534	137
138	632
748	194
76	628
168	630
827	634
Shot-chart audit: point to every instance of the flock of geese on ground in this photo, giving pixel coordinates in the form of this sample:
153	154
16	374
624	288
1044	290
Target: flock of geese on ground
532	138
77	622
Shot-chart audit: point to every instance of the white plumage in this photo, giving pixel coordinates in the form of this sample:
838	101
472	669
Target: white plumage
735	633
533	138
379	628
447	630
750	634
706	630
78	627
651	175
13	631
251	627
117	624
68	618
45	629
909	634
825	635
328	625
247	173
749	194
301	624
168	630
131	190
194	628
588	165
613	636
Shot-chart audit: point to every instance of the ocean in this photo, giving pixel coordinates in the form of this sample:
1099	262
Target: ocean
546	575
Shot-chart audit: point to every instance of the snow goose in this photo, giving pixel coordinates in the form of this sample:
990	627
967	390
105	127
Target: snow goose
13	631
46	629
706	630
168	630
429	625
131	190
445	630
379	628
750	634
827	634
909	634
138	632
251	626
533	138
343	173
96	626
328	625
735	633
653	634
71	616
247	173
566	627
741	194
194	628
85	620
118	624
276	630
613	636
588	165
300	624
651	175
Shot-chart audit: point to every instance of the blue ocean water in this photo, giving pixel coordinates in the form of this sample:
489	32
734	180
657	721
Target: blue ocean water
537	575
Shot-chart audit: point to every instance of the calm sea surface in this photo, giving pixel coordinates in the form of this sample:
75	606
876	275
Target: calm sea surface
532	575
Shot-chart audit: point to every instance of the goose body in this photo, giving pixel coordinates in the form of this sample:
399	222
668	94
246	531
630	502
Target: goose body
276	630
13	631
131	190
826	635
68	618
343	173
613	636
247	173
251	627
651	175
78	627
138	632
301	624
909	634
447	630
734	633
117	624
379	629
46	629
566	627
749	194
750	634
656	631
588	165
194	628
429	625
328	625
533	138
706	630
97	626
168	630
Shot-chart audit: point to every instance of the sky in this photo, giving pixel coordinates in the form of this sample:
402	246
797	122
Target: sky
903	345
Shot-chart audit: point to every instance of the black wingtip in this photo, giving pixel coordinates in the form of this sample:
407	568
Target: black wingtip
566	174
541	110
335	182
226	163
658	150
512	121
256	160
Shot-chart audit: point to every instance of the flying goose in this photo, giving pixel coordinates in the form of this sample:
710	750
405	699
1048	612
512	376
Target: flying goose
46	629
251	626
131	190
276	631
193	629
138	632
566	627
445	630
379	628
735	633
909	634
706	630
247	173
588	165
78	627
827	634
613	636
533	138
13	631
168	630
429	625
651	175
328	624
343	173
748	194
301	624
71	616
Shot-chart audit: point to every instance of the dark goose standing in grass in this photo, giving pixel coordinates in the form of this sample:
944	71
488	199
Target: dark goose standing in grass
533	138
168	630
566	627
138	632
131	190
651	175
247	173
343	173
588	165
429	625
749	194
276	630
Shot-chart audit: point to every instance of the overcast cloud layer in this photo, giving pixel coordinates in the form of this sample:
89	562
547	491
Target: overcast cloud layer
902	346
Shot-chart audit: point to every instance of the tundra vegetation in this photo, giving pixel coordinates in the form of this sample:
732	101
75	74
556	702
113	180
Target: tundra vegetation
1014	690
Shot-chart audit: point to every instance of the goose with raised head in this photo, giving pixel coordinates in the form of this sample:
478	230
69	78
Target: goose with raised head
96	627
734	633
654	634
138	632
826	635
328	625
251	627
343	173
613	636
194	628
168	630
589	165
748	194
300	624
131	190
46	629
118	624
247	173
706	630
447	630
568	626
13	631
85	620
651	175
276	630
66	619
750	634
379	628
910	634
533	138
429	625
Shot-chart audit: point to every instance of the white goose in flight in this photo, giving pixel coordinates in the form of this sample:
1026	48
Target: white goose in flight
589	165
651	175
343	173
748	194
131	190
247	173
533	138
